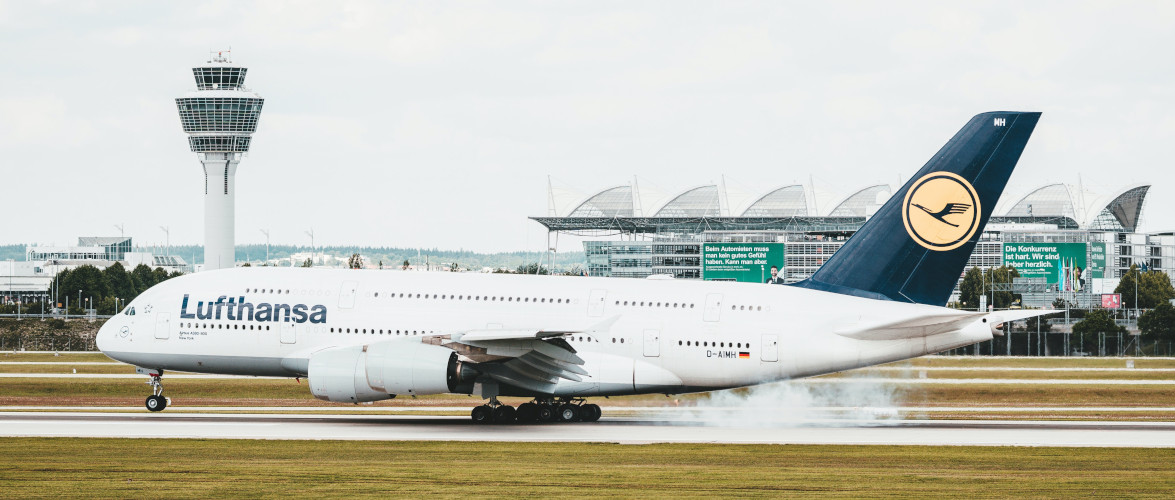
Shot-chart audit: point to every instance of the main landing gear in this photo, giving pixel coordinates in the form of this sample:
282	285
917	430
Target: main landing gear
538	411
156	401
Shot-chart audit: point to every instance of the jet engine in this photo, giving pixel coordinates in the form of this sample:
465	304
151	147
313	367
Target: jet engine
382	370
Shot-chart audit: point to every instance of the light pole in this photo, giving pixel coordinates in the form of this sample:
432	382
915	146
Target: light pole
79	301
313	253
266	233
167	234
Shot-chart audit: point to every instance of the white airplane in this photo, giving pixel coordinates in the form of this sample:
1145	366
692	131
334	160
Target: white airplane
362	336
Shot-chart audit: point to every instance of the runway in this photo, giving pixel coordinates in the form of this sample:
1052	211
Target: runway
624	430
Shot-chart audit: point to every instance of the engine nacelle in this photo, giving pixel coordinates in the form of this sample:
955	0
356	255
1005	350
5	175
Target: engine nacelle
412	368
382	370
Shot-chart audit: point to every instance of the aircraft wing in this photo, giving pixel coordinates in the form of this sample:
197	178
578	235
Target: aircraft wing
932	324
531	359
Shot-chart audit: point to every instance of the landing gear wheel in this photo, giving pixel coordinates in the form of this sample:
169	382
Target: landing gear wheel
527	412
546	413
504	414
481	414
568	413
156	403
590	413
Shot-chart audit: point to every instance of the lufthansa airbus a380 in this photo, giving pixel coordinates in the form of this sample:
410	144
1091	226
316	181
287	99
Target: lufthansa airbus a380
362	336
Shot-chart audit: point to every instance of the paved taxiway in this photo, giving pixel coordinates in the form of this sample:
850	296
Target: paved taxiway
627	430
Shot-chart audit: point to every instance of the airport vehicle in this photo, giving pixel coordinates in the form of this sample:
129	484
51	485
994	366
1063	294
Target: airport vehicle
360	335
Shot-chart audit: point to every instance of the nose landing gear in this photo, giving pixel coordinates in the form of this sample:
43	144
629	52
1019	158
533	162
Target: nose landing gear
156	401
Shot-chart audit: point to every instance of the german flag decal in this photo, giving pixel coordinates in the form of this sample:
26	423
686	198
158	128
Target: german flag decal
744	355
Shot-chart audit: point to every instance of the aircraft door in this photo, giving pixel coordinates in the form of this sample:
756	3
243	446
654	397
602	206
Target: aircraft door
162	326
596	302
713	307
288	335
652	343
347	294
770	348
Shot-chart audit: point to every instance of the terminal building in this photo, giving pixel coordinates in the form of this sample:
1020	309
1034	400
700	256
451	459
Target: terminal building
31	279
1061	245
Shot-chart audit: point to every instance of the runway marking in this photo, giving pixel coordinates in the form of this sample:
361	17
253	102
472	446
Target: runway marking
1009	381
66	363
832	380
1006	369
172	409
630	430
134	376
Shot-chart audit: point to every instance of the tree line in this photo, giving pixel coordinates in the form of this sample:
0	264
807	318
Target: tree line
108	288
1150	291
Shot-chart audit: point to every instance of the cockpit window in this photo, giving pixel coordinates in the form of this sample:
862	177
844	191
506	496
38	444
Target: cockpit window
130	311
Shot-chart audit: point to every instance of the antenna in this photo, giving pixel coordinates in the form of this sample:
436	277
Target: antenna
121	233
723	209
812	187
637	209
550	199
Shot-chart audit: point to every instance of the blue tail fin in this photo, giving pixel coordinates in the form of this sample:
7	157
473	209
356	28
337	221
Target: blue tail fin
915	247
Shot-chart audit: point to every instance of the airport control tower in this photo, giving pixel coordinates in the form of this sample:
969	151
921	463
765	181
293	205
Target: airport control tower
219	118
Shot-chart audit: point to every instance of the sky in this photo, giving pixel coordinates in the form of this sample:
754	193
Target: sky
441	124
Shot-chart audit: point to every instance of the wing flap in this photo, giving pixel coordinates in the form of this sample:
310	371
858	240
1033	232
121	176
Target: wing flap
533	360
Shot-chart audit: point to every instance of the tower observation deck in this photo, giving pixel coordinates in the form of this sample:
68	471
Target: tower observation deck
219	117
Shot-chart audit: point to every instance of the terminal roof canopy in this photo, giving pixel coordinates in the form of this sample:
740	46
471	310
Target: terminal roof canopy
1052	200
703	208
611	202
1123	212
697	202
787	201
862	202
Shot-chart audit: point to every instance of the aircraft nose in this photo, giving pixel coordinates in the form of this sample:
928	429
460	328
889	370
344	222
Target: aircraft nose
103	339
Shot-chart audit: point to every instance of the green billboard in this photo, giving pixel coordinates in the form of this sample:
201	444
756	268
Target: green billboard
748	262
1097	260
1061	264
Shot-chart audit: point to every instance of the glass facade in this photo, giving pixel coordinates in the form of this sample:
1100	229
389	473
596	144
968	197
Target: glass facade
680	255
219	78
219	114
670	242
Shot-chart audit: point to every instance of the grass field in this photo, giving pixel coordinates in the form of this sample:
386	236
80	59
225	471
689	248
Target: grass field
142	468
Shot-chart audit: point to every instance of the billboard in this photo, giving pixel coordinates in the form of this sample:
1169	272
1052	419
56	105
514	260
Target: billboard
1061	264
1097	259
747	262
1112	301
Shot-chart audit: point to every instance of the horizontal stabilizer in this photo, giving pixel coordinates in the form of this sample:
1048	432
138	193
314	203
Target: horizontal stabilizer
917	326
998	317
933	324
